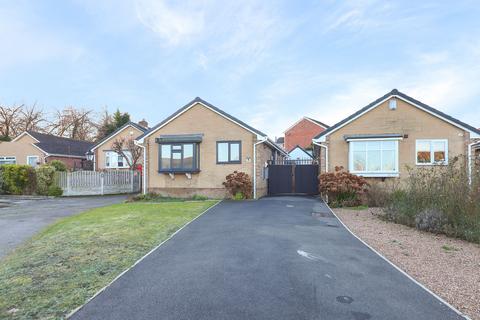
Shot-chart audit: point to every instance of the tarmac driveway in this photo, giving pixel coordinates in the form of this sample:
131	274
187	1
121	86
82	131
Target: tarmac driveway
266	259
22	217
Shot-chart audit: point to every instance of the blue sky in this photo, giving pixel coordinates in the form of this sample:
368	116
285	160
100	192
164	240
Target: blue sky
266	62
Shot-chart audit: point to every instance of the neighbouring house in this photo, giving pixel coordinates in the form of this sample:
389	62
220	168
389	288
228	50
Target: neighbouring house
298	153
105	158
194	149
391	133
34	148
280	141
302	132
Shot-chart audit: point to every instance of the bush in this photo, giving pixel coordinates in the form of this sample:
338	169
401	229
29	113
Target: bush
55	191
45	178
342	189
239	182
58	165
18	179
2	183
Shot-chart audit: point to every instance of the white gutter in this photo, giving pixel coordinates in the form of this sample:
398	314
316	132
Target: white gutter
144	172
470	164
326	153
255	166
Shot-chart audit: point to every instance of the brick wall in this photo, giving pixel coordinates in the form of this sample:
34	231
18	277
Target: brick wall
301	134
69	162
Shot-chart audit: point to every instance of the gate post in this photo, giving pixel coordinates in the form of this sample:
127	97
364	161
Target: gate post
101	183
293	177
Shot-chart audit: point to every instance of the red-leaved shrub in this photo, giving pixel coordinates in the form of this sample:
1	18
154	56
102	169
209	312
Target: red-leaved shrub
342	188
239	185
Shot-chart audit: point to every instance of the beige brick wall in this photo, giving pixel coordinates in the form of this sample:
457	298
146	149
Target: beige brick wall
263	154
406	120
214	127
21	149
129	132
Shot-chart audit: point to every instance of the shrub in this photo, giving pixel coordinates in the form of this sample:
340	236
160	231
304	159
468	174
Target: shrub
2	184
342	188
199	197
239	182
18	179
45	178
432	220
55	191
58	165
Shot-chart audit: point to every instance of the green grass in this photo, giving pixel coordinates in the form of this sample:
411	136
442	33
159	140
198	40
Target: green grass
449	248
68	262
359	208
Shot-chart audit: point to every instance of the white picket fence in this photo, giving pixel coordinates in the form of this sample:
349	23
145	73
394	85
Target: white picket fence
82	183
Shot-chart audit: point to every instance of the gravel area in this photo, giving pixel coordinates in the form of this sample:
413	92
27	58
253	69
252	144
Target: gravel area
449	267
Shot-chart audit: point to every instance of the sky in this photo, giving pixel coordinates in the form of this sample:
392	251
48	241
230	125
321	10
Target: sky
266	62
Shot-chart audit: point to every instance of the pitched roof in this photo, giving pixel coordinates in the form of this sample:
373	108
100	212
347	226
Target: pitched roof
302	149
280	140
55	145
130	123
318	122
403	96
205	103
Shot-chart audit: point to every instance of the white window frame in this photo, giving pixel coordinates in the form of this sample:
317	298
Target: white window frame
4	158
432	158
374	174
36	163
114	160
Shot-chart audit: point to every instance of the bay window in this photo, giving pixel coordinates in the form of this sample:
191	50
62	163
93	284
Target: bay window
178	157
374	158
431	152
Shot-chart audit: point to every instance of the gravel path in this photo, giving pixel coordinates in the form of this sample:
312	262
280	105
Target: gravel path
449	267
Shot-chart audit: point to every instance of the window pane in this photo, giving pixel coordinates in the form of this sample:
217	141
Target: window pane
222	152
235	152
120	161
359	146
373	145
165	160
388	160
388	145
423	152
176	160
373	161
439	151
359	161
177	147
188	156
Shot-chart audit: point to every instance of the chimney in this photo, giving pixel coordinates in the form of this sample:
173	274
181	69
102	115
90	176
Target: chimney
143	123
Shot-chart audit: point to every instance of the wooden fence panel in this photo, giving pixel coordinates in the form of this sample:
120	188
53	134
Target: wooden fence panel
80	183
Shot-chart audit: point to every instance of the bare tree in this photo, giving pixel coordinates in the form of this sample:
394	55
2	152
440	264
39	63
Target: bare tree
9	120
122	145
30	118
74	123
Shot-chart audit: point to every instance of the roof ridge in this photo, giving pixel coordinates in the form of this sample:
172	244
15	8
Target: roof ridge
56	136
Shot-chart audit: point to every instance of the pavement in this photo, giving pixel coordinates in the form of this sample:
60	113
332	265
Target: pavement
22	217
276	258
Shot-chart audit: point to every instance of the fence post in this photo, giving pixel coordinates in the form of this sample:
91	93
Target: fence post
68	182
101	183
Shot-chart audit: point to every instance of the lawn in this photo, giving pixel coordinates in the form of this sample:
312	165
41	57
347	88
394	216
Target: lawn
69	261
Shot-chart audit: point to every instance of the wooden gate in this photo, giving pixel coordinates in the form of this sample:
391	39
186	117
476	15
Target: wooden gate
292	177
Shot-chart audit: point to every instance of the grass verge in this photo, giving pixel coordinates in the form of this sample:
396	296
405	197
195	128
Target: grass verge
69	261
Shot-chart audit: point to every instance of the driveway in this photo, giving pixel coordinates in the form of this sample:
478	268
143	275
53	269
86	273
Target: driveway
266	259
23	217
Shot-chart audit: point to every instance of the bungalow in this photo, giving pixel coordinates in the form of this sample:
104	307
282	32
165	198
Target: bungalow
34	148
104	158
194	149
391	133
301	133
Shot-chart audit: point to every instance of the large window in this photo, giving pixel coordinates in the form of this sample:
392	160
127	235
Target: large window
229	152
374	158
114	160
7	160
431	152
181	157
33	161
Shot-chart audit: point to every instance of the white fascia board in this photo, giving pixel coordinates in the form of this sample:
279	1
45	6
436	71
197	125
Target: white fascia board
24	133
188	108
375	139
473	134
113	135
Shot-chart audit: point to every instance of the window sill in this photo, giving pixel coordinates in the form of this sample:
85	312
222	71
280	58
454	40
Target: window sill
377	174
433	164
180	171
231	162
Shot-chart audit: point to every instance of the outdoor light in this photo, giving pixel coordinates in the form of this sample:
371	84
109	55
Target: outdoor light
89	156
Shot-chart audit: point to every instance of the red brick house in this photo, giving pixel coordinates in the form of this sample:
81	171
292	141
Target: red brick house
302	132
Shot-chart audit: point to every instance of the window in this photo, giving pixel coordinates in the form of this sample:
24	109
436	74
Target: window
432	152
8	160
33	161
374	158
181	157
229	152
114	160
